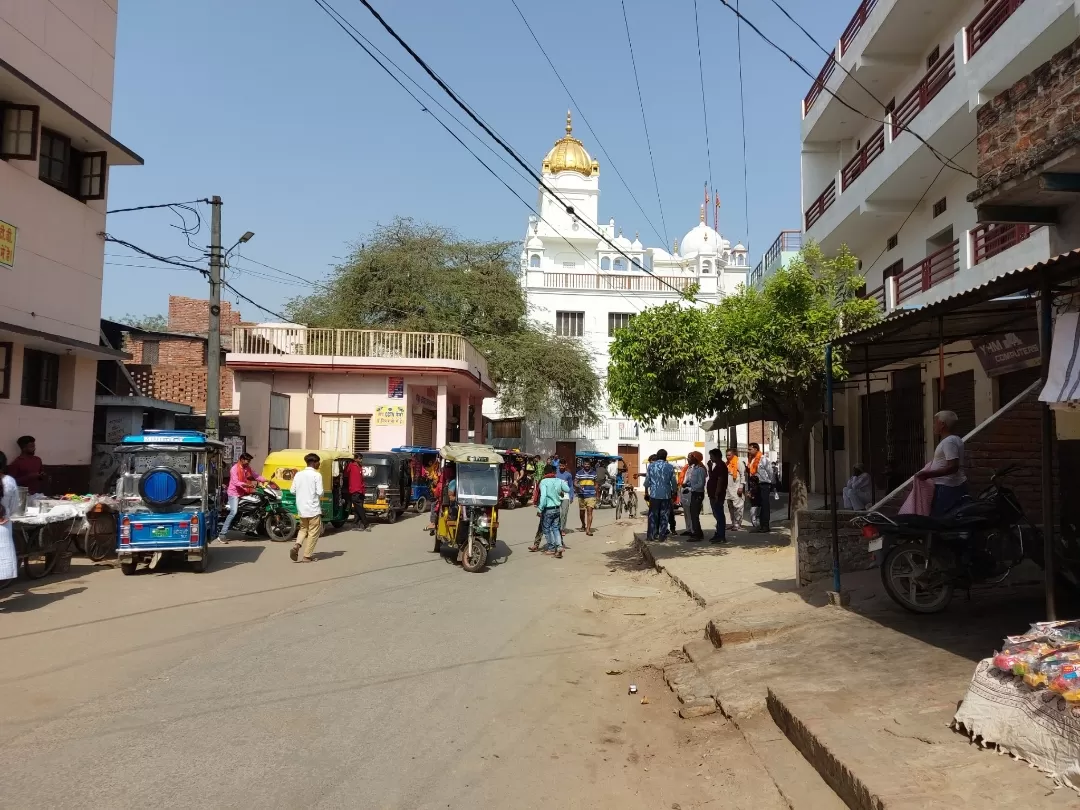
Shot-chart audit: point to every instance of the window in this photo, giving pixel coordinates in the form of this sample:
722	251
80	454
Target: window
534	260
41	378
605	264
569	265
569	324
706	266
618	320
279	422
19	139
939	207
5	369
933	57
894	240
361	434
55	161
894	269
150	352
92	176
620	265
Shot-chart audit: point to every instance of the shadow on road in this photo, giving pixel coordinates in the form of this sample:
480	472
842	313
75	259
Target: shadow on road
19	598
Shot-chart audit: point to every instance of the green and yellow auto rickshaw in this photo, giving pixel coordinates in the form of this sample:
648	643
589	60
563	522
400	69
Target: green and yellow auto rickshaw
469	514
282	465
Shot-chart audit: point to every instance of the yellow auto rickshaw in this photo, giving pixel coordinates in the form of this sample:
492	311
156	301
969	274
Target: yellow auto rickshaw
281	465
469	513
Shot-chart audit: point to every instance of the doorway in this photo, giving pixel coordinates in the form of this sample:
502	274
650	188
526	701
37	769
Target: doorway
632	456
566	451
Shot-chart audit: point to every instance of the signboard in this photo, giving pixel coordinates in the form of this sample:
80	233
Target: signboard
1010	352
7	244
424	403
234	448
389	416
395	387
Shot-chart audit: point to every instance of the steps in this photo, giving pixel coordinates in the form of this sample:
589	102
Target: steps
800	785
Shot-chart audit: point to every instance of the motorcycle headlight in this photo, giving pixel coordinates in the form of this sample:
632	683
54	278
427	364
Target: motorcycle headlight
483	521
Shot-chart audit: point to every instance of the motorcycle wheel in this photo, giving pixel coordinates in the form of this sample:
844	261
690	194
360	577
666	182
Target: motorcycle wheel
475	562
903	566
391	515
420	504
281	526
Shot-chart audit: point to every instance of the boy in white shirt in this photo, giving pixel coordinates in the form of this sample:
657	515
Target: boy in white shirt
307	488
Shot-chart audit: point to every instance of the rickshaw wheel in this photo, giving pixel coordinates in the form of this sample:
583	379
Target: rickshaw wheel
512	503
420	504
476	562
337	524
200	566
438	545
391	515
128	568
36	566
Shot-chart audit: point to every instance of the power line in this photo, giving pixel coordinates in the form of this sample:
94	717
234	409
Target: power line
704	106
505	146
255	304
158	205
153	256
589	126
813	78
644	121
334	15
742	120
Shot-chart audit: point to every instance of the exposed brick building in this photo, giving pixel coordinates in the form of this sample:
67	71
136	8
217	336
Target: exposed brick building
172	364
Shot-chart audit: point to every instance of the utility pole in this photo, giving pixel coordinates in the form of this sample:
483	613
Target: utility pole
213	336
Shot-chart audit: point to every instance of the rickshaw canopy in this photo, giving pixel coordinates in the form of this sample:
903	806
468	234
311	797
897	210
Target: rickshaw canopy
185	439
409	448
595	455
471	454
281	465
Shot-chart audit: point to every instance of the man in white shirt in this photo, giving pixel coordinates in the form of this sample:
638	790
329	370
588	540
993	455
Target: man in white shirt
947	470
307	488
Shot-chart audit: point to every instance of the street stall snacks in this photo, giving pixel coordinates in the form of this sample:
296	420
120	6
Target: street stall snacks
48	529
1025	700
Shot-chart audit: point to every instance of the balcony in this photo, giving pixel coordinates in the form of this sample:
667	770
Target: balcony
819	83
986	23
932	270
870	151
925	91
560	429
878	294
618	282
988	241
820	205
786	242
856	24
302	346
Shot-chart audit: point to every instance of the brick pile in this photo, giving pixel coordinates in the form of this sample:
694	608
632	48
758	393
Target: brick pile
1034	120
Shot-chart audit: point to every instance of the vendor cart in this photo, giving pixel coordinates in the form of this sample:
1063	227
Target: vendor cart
42	540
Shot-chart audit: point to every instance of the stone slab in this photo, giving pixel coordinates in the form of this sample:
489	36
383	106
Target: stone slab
625	592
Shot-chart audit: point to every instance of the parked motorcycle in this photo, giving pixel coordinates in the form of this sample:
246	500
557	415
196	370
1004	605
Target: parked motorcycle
263	513
979	542
605	495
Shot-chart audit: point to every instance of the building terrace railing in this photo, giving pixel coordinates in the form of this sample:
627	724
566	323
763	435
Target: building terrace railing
986	23
617	281
819	206
862	13
988	241
787	241
362	343
934	269
936	78
878	294
870	151
819	83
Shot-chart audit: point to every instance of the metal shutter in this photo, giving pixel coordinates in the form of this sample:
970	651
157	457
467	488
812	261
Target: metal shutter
423	431
361	434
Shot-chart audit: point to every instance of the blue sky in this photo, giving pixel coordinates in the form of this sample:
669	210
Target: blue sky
269	105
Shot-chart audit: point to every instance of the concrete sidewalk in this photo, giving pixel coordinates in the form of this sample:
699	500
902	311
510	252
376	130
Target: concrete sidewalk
865	693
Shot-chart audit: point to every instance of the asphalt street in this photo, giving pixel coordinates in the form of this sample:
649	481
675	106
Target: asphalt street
381	676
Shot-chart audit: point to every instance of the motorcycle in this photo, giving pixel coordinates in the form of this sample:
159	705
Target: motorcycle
605	495
979	542
262	513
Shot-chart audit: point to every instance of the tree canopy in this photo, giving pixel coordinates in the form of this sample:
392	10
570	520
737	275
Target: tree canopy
151	323
757	346
420	277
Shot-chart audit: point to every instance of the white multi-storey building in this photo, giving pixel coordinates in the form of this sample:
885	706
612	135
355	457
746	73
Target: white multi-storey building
584	287
897	100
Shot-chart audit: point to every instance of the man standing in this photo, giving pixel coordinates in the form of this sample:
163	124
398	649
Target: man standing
736	488
308	489
241	482
947	471
716	487
761	474
695	495
27	469
356	490
567	497
660	486
585	483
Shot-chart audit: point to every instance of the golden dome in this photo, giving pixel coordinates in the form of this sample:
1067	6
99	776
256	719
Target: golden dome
568	155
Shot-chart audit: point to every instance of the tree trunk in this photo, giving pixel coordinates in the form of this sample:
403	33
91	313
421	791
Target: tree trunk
799	437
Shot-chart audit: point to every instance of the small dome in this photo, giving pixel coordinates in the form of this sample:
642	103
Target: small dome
637	243
659	253
623	243
702	240
739	248
569	155
536	243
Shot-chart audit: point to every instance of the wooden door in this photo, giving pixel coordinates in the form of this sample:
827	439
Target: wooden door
631	455
566	451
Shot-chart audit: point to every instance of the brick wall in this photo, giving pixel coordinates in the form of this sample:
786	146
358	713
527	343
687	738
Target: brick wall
173	352
1034	120
187	386
193	315
813	545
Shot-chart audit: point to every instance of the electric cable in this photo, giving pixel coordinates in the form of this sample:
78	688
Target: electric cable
704	106
742	120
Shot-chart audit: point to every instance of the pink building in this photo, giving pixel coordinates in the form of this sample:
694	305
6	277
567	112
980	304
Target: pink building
346	389
56	85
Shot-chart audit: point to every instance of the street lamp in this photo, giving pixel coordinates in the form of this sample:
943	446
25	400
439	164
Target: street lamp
247	237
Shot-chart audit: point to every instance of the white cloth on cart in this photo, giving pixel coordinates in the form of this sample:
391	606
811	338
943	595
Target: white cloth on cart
9	563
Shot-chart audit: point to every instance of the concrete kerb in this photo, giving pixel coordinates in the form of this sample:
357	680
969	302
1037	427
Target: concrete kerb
646	552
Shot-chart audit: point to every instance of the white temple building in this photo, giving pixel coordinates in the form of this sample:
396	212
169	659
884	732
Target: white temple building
584	287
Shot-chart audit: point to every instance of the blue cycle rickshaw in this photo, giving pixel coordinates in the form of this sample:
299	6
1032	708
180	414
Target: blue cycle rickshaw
422	460
168	493
606	495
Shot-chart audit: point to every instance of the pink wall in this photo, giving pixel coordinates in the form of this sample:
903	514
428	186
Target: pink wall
66	46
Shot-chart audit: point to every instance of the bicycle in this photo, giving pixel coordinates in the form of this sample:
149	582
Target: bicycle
626	502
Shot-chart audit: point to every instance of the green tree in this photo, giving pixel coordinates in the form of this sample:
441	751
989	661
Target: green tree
757	346
421	277
151	323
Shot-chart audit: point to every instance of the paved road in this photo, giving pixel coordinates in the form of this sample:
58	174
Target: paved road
380	677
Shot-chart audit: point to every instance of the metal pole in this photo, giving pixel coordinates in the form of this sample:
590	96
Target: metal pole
1046	334
213	333
941	362
830	466
869	426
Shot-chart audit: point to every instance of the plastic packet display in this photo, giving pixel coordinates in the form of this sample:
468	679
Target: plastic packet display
1021	657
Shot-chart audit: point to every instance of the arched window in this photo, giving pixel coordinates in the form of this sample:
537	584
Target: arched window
620	265
534	260
706	266
605	263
